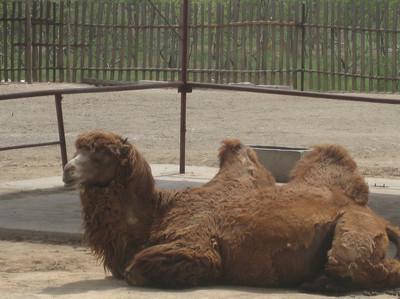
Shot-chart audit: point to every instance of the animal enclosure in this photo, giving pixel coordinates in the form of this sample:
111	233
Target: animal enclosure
320	45
183	85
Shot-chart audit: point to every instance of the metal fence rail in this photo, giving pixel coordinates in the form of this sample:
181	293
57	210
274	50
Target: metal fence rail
58	99
183	88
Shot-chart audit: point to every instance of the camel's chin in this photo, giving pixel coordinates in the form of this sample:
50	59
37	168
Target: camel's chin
71	184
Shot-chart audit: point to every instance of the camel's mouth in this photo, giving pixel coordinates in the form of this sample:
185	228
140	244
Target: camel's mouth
70	177
71	183
70	180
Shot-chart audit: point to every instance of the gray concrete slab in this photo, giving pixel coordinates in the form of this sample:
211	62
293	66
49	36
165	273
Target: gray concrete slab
44	206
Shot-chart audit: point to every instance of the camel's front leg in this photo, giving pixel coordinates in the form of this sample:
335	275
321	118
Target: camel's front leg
358	253
173	266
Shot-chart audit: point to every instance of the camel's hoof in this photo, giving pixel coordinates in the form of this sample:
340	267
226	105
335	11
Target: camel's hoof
135	278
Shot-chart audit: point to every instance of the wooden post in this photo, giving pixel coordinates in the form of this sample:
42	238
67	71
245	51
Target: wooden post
28	42
295	45
69	41
394	50
303	45
60	44
5	42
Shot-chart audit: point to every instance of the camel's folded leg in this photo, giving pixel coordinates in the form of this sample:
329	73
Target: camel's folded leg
358	252
174	266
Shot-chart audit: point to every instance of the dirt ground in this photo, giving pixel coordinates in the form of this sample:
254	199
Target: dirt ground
38	270
150	119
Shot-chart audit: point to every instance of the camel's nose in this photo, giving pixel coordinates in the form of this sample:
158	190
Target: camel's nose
68	172
69	166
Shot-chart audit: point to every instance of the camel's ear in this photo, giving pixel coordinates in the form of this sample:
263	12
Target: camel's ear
95	147
124	151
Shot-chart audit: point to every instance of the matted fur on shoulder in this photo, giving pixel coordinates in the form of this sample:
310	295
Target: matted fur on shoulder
332	165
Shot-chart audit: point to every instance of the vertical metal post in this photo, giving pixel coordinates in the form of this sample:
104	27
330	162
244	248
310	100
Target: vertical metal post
183	133
303	44
61	132
183	90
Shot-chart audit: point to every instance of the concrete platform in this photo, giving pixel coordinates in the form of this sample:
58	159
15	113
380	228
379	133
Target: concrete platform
43	205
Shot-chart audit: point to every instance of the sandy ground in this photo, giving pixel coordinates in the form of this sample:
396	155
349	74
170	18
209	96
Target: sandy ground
150	119
37	270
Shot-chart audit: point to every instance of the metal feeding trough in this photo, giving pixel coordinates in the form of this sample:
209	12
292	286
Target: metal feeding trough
279	160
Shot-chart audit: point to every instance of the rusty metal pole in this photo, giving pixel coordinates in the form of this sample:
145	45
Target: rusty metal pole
61	132
182	143
184	88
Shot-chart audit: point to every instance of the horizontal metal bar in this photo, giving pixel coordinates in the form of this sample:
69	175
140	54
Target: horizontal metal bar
295	93
28	145
40	93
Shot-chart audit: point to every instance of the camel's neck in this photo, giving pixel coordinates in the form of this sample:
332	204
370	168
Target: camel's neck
137	187
114	228
117	218
104	229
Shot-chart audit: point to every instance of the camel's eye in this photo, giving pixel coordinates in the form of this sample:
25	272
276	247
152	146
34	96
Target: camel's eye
102	158
98	157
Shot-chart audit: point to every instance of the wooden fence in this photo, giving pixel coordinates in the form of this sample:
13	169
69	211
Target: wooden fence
318	45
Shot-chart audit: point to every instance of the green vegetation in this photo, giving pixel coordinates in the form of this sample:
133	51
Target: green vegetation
348	45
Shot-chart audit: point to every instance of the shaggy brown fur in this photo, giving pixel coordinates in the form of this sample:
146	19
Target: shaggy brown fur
237	229
120	212
361	237
331	165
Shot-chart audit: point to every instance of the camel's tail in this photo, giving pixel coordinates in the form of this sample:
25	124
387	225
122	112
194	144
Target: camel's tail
394	237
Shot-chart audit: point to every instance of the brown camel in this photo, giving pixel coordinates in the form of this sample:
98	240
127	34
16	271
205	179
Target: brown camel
237	229
121	204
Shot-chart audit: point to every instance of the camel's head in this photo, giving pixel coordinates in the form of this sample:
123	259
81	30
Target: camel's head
98	155
332	165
